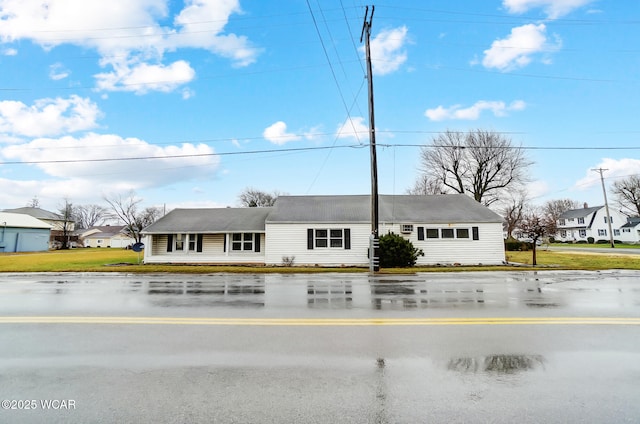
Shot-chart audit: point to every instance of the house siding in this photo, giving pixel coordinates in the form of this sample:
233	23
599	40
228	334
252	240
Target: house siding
488	249
290	240
213	251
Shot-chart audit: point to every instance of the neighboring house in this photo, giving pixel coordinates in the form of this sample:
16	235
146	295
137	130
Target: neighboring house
106	236
56	221
327	231
630	232
579	224
23	233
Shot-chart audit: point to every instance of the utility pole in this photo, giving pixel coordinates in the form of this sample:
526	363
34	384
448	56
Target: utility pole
374	243
606	205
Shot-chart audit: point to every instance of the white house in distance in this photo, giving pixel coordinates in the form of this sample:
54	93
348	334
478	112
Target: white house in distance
579	224
630	232
327	231
106	236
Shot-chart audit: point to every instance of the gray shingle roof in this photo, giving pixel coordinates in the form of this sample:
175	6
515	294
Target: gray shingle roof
580	213
213	220
438	209
37	213
435	209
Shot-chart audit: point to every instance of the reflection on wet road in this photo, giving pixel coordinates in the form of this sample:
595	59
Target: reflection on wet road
311	294
472	347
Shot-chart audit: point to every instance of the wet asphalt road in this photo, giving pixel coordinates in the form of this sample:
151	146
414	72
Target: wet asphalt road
525	347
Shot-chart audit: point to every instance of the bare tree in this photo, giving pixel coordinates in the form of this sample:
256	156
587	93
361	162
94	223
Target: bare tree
252	198
424	186
67	214
513	211
88	216
127	210
552	209
479	163
536	225
34	203
627	194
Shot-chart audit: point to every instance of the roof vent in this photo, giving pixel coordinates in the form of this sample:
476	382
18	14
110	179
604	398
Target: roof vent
586	205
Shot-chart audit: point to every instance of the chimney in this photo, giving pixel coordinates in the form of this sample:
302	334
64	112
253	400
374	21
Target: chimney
586	205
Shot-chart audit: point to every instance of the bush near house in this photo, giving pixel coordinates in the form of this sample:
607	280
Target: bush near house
513	245
396	251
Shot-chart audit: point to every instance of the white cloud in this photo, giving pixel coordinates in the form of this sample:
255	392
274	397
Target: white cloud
387	50
354	128
143	77
277	134
57	71
9	52
48	117
615	168
131	35
553	8
516	50
498	108
166	164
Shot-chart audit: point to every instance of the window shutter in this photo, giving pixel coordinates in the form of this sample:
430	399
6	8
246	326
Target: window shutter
475	233
347	238
256	244
170	243
199	238
309	238
420	233
224	242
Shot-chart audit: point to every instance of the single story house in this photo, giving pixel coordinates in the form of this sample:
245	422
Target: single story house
579	224
327	231
56	221
23	233
105	236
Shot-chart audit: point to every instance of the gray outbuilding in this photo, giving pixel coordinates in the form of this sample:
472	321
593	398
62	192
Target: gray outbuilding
23	233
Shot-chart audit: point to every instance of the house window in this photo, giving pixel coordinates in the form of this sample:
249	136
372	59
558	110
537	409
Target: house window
179	239
563	234
462	233
583	233
602	232
626	230
406	228
242	241
475	231
178	242
447	233
616	232
337	238
570	219
432	233
562	222
580	220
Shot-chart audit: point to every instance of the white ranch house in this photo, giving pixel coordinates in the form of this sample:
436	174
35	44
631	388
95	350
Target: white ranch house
579	224
327	231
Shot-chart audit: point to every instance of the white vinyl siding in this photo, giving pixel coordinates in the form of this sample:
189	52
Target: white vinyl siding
214	250
290	240
462	248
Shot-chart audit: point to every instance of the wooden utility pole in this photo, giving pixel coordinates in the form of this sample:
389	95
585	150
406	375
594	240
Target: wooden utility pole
374	250
606	205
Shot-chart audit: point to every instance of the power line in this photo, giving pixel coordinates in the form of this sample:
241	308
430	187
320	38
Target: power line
296	149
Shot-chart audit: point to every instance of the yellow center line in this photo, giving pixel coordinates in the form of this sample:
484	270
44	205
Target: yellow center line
320	321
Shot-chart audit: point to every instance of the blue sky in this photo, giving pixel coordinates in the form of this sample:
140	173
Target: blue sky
200	99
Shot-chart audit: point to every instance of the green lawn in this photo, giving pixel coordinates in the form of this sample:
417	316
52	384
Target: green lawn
119	260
